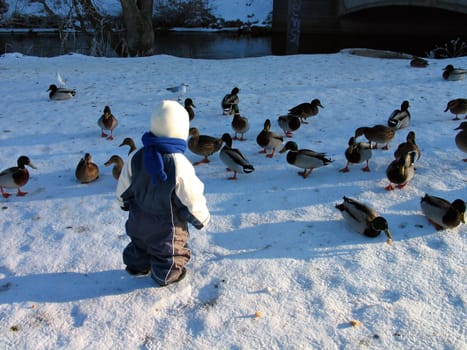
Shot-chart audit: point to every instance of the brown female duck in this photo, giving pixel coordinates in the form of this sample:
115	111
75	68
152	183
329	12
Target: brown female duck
86	171
456	107
240	125
306	109
379	134
461	138
203	145
118	165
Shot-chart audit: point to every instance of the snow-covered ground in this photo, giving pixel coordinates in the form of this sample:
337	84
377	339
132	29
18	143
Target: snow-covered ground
276	268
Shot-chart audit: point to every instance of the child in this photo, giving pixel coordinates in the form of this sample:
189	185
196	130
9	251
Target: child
159	187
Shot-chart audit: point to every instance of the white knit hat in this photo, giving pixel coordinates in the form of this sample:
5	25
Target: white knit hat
170	119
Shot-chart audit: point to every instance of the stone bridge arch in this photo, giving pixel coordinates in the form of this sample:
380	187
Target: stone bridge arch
346	7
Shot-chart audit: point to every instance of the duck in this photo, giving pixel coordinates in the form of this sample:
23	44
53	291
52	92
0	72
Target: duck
240	125
289	124
456	107
451	73
305	110
363	219
234	159
60	93
409	145
400	171
305	159
189	105
400	118
86	171
379	134
107	121
461	138
16	176
269	140
357	152
203	145
442	213
118	165
128	141
230	102
418	62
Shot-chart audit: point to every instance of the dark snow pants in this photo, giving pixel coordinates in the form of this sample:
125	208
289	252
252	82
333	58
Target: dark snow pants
158	242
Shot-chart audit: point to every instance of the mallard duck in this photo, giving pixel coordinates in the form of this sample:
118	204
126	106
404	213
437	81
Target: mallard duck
305	110
379	134
234	159
16	176
269	140
363	219
128	141
189	105
418	62
203	145
289	123
240	125
118	165
357	152
305	159
86	171
461	138
107	121
230	102
456	107
180	90
60	93
441	213
452	73
401	171
408	146
400	118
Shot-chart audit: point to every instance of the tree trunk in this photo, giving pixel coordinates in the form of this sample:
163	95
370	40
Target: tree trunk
137	15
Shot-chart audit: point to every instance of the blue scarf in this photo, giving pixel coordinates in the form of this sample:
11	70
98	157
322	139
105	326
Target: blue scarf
154	148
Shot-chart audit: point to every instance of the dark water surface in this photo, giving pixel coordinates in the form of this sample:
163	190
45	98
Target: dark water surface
213	45
210	45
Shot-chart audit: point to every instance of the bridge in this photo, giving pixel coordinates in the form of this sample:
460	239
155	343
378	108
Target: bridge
296	21
348	6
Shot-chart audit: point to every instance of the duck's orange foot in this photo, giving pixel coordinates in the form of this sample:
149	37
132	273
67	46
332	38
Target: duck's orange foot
21	193
386	147
103	134
263	151
288	134
367	169
401	186
233	177
270	155
110	138
205	160
5	195
345	170
389	187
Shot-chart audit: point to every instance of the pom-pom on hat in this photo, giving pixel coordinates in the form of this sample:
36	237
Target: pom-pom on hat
170	119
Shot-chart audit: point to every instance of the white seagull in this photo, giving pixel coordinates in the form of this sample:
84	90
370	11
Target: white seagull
180	90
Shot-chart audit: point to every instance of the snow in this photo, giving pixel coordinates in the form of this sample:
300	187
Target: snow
277	267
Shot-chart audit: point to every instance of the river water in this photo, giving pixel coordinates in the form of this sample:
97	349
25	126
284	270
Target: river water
209	45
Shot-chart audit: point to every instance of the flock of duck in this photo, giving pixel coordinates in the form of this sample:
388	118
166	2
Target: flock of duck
361	218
